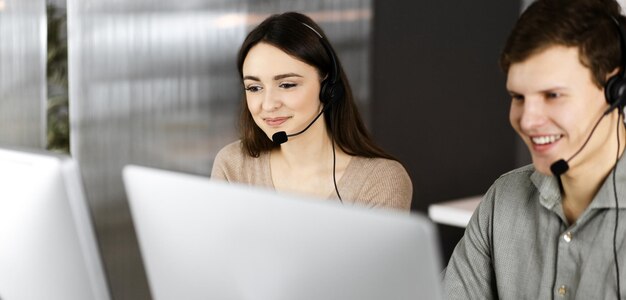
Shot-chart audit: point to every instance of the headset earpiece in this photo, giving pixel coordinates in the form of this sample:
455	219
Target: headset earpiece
331	92
615	91
331	88
615	88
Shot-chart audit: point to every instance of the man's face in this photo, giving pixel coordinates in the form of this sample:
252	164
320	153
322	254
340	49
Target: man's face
555	105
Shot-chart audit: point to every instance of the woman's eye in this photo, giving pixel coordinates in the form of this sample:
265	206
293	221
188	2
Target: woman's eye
517	97
253	88
287	85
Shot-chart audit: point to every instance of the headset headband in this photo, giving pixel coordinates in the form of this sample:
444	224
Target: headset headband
334	74
622	43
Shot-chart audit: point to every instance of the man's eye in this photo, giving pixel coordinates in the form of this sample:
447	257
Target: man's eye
553	95
517	97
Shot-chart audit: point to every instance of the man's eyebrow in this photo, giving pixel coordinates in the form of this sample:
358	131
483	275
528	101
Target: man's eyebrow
543	91
555	88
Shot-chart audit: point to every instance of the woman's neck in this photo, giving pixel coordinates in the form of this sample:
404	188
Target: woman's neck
304	164
306	149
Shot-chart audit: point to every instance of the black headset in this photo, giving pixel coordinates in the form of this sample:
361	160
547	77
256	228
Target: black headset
615	94
615	88
331	89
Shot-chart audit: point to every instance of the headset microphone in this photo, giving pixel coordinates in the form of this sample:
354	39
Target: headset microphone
281	136
561	166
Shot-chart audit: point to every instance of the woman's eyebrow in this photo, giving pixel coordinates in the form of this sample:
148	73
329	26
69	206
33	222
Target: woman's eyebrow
282	76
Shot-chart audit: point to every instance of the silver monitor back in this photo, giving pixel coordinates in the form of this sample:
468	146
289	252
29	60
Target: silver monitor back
48	248
203	239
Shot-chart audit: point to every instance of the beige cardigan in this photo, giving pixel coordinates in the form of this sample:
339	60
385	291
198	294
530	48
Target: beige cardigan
370	182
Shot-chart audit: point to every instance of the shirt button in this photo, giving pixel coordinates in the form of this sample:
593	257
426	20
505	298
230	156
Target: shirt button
567	237
562	290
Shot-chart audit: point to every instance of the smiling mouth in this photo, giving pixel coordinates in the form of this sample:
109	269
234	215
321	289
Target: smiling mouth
546	139
275	121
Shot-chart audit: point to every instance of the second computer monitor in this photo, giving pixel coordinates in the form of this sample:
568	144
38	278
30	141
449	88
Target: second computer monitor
203	239
47	245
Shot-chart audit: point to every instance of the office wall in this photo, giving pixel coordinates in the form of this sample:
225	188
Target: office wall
439	97
22	72
155	83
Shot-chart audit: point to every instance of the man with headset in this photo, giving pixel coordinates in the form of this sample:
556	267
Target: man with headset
556	228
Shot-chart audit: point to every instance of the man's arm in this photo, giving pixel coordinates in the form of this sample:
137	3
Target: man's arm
469	274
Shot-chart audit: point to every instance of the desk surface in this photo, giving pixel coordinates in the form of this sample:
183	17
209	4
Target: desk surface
455	212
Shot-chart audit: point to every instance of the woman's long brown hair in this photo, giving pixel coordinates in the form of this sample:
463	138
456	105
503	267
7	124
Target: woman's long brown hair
287	32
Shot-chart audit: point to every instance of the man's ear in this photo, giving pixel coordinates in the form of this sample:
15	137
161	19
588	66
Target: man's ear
612	73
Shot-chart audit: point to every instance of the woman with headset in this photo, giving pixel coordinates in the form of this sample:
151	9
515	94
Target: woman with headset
291	77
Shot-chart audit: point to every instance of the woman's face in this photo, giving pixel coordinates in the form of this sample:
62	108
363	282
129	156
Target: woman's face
282	92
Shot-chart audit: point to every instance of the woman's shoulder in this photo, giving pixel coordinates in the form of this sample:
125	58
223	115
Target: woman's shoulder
380	170
234	154
233	149
233	163
229	157
379	165
380	182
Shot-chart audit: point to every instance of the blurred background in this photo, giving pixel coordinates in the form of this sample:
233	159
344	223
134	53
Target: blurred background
154	83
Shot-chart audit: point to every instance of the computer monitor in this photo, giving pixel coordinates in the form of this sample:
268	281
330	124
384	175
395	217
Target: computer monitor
47	244
203	239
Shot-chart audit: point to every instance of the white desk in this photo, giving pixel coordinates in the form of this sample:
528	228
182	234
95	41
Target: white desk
455	212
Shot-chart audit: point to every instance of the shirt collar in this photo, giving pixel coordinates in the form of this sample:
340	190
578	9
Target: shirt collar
605	198
548	188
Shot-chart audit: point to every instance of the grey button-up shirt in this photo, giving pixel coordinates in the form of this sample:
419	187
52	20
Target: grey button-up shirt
519	245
